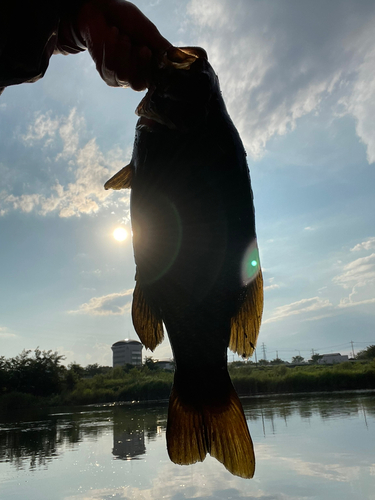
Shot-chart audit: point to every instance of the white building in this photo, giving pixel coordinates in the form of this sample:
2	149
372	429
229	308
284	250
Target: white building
127	352
332	359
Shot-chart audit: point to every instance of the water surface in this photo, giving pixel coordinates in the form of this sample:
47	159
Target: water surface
307	447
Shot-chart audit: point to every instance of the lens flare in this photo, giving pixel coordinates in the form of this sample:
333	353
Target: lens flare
250	263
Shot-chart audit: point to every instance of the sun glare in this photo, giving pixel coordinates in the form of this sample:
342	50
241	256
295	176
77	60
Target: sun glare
120	234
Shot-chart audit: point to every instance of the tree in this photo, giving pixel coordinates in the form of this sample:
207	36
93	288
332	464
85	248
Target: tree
263	362
315	358
150	363
368	353
40	375
277	361
95	369
298	359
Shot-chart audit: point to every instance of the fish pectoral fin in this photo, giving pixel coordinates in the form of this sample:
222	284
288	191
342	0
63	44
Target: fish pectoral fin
121	180
246	323
147	323
195	429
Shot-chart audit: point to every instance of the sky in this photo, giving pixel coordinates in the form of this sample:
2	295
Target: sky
297	78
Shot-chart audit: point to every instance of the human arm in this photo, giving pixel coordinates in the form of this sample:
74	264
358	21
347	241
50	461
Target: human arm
118	36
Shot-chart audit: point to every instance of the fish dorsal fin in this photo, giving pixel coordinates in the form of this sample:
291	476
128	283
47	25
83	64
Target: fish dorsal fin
147	323
121	180
246	323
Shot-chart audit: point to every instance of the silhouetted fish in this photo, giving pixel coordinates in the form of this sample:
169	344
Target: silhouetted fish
196	254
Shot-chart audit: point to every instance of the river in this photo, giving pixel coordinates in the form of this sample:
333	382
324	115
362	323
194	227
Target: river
319	446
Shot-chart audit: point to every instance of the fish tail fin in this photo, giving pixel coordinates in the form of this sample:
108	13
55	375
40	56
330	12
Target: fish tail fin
213	424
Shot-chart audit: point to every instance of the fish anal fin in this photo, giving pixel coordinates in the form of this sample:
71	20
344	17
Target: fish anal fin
147	323
246	323
217	428
121	180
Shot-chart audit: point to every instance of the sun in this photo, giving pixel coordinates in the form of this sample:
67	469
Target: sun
120	234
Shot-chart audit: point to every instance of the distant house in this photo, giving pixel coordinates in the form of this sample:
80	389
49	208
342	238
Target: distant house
127	352
332	359
167	364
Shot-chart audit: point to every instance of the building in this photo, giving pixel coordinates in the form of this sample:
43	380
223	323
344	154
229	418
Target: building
127	352
332	359
167	364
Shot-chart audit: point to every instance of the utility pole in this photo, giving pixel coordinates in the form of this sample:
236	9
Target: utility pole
277	354
256	360
352	349
312	352
264	351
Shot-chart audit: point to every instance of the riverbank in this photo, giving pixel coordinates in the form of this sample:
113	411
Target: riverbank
145	385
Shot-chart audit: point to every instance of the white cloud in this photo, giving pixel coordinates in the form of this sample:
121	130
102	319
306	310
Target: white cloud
43	127
359	276
209	481
271	287
286	58
365	245
330	472
99	353
5	333
90	167
304	306
70	128
107	305
359	272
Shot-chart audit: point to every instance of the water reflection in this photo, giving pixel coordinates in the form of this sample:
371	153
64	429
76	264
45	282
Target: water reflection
326	406
34	441
129	429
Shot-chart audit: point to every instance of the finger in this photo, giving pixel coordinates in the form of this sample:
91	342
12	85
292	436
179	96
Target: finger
116	59
131	21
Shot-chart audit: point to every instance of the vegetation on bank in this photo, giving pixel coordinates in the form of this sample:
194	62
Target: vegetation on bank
40	379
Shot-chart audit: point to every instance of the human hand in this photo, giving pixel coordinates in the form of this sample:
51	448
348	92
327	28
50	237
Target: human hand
120	39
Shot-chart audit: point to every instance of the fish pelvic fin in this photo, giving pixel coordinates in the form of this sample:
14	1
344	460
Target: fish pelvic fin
218	428
147	323
121	180
246	323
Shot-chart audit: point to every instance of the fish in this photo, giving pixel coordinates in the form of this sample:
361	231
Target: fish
198	272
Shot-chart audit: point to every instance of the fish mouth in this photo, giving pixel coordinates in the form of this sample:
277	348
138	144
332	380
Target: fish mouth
174	58
149	116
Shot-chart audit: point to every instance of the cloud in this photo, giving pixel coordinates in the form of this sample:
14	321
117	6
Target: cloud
330	472
43	127
5	333
90	169
271	287
286	58
359	276
303	306
361	103
112	304
202	481
69	130
365	245
359	272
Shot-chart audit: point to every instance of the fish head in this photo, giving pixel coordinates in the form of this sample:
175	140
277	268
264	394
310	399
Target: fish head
184	85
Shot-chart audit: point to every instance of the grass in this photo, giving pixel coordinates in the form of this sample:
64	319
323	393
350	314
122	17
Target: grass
249	380
150	385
